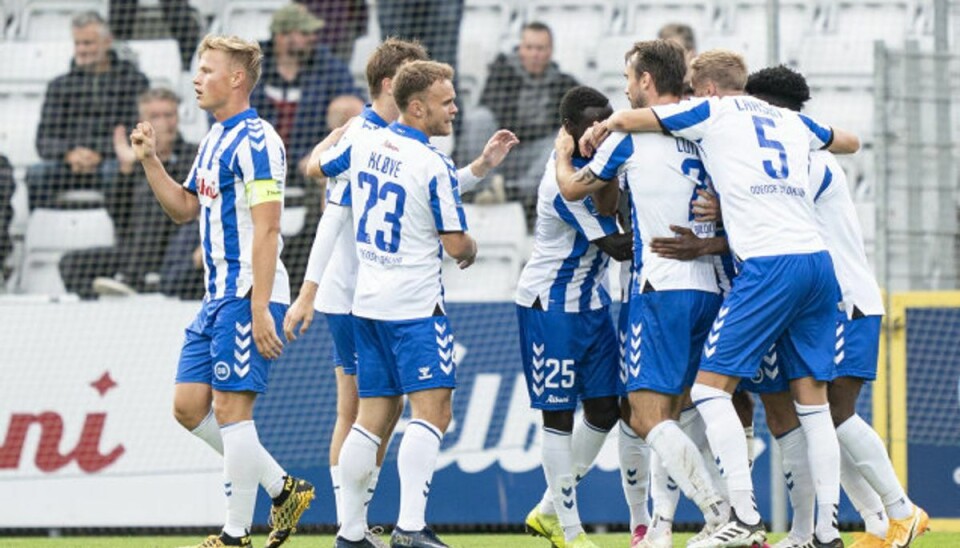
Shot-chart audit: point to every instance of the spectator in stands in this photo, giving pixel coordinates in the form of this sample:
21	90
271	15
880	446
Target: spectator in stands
522	94
7	187
81	111
182	264
303	84
344	21
143	229
181	19
304	91
683	33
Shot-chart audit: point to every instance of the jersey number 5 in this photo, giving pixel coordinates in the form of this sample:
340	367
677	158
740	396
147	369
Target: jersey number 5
378	193
760	123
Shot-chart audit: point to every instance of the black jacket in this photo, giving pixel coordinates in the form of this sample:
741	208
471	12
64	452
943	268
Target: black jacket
82	108
526	105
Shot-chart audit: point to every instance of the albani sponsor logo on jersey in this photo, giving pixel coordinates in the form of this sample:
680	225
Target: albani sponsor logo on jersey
204	188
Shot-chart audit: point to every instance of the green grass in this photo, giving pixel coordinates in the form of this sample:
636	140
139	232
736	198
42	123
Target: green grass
616	540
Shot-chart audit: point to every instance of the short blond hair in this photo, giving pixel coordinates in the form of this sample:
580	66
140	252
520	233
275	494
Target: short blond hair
242	52
415	77
725	68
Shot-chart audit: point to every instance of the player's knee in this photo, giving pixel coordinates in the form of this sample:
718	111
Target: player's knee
841	411
189	416
781	421
601	413
561	421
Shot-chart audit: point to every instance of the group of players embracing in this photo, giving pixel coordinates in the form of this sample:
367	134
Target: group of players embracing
743	270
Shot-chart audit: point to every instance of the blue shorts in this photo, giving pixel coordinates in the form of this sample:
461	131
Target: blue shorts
769	378
567	357
219	350
794	296
857	347
403	356
667	331
341	329
623	327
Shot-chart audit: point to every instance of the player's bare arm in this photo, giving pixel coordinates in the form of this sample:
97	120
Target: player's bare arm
686	245
313	165
461	246
496	149
606	199
574	184
634	121
179	204
266	233
844	142
618	246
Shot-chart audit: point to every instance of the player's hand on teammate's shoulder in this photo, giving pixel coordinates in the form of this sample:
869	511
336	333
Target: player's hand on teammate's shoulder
144	141
300	313
265	335
592	137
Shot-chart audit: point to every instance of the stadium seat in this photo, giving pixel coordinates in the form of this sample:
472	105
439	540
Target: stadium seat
869	20
294	212
19	118
610	63
29	66
49	20
485	26
159	60
500	231
851	110
248	19
745	28
644	18
583	23
835	61
53	232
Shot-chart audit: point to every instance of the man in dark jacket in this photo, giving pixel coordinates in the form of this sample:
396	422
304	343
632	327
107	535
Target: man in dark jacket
143	229
523	92
81	110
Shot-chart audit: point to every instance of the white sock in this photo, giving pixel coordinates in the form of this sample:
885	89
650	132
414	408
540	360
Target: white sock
416	462
683	461
335	481
861	494
634	474
665	495
796	471
823	453
358	458
585	445
748	434
867	451
272	477
557	457
372	486
693	426
242	467
729	445
209	431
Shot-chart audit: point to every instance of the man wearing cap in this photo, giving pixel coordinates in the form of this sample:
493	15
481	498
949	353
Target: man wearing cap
303	85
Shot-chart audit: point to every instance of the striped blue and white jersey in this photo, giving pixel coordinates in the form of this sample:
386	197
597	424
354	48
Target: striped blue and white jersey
235	156
405	193
565	271
662	176
339	281
758	158
840	229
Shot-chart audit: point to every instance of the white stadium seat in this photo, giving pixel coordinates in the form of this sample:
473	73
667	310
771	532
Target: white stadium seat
29	66
644	18
159	60
484	30
49	20
19	118
53	232
501	234
249	19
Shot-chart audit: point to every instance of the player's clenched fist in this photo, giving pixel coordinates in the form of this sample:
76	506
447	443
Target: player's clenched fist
144	141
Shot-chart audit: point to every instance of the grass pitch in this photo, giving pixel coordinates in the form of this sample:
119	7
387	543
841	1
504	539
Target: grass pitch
613	540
